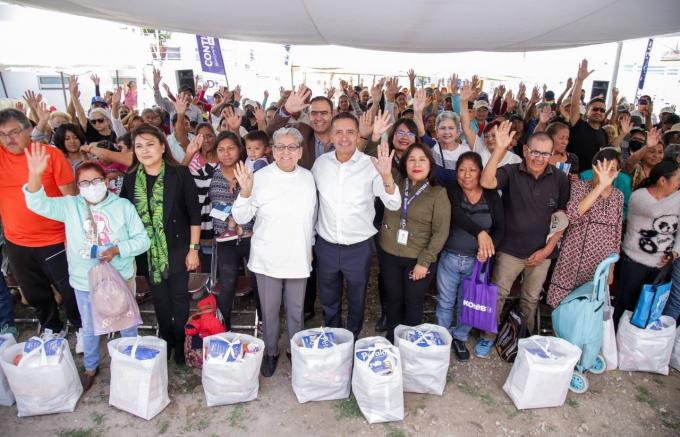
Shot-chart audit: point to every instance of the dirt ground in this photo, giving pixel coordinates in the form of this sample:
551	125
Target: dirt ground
618	403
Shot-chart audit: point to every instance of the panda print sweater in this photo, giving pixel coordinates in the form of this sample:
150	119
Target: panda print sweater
652	227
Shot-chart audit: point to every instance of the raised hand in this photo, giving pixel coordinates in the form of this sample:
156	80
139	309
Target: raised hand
365	125
466	91
570	83
392	88
181	103
545	115
166	88
95	79
420	101
381	123
237	93
627	124
615	95
503	137
37	159
20	106
583	72
376	90
266	94
117	94
535	96
42	111
296	100
605	172
522	91
475	81
195	144
510	102
245	178
156	77
233	119
73	87
412	76
31	99
259	113
384	161
453	84
653	137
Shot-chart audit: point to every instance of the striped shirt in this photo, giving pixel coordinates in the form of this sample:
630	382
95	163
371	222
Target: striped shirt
220	192
202	178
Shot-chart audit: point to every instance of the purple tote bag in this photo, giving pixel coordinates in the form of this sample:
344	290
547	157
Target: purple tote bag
479	300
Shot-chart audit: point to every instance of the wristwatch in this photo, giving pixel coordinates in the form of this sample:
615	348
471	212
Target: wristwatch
195	246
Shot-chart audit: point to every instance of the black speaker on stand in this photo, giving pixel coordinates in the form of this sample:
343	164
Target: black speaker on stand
600	87
185	78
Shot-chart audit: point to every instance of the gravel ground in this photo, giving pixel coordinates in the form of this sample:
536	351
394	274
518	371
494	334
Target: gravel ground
618	403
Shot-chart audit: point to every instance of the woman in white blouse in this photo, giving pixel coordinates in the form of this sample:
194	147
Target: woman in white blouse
282	198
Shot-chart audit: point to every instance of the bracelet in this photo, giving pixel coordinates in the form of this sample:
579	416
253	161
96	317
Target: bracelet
390	185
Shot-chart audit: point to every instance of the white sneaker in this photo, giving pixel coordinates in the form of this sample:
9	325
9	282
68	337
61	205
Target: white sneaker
80	344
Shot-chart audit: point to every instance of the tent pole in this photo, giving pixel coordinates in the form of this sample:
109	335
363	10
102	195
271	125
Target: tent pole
117	79
63	90
615	72
4	88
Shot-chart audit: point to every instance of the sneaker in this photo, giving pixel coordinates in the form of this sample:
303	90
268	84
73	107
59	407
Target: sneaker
461	350
483	348
269	365
10	329
227	235
80	344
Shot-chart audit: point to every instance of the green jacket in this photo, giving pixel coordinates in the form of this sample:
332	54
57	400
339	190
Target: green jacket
427	223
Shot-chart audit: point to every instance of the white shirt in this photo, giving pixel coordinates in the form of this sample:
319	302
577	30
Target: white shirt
284	206
485	154
450	156
176	148
346	195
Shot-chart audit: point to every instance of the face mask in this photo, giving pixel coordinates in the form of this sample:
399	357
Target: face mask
94	193
634	145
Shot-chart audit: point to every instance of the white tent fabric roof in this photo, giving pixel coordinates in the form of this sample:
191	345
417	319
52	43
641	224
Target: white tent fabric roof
395	25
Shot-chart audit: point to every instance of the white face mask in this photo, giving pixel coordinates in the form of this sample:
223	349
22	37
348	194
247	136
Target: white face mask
95	193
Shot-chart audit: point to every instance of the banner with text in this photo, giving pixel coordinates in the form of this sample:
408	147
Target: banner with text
210	54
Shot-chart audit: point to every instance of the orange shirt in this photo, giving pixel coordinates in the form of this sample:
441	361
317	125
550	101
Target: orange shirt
23	227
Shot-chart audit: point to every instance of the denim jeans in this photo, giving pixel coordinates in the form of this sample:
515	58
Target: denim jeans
452	270
91	341
673	305
6	304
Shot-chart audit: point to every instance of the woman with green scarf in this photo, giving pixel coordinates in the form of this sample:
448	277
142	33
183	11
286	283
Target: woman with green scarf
166	199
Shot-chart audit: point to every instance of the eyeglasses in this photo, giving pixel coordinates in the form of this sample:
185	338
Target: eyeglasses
97	120
95	181
536	154
598	109
281	147
402	134
11	134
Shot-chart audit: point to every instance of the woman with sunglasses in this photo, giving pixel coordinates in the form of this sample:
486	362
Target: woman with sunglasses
93	219
98	126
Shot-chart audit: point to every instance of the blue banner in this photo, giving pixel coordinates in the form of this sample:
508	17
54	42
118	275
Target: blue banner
210	54
645	64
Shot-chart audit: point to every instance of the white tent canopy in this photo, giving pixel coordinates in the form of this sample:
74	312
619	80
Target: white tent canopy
395	25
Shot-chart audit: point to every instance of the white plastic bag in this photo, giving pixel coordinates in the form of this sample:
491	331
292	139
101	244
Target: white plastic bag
379	393
675	357
43	388
542	371
232	378
6	395
645	350
424	363
322	373
139	386
609	350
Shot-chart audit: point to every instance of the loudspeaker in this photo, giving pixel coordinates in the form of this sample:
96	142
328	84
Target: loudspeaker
600	87
185	78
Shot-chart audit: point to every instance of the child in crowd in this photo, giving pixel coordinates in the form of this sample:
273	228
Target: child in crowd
257	149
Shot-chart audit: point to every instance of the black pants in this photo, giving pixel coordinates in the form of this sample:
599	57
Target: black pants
36	269
633	276
353	264
310	290
381	281
171	303
404	297
230	255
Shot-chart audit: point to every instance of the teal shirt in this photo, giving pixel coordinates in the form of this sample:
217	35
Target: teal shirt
622	182
117	223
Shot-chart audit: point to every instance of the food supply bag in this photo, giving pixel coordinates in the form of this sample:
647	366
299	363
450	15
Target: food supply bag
645	350
139	375
377	380
6	395
651	303
542	371
322	364
114	306
42	376
479	299
425	354
675	356
231	368
609	350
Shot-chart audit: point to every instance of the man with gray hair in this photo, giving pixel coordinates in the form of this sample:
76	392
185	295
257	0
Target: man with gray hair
34	244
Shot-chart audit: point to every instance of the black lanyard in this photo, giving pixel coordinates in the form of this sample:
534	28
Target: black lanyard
406	201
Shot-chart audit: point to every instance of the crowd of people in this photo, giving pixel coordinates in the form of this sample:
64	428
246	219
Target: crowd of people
308	188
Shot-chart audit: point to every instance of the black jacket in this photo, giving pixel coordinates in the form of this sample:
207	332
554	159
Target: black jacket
181	210
460	220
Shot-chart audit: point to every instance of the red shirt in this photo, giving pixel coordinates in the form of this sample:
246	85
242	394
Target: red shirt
23	227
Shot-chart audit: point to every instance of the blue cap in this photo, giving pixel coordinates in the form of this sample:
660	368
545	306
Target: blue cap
99	99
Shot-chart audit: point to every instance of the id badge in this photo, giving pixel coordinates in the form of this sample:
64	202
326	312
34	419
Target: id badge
402	237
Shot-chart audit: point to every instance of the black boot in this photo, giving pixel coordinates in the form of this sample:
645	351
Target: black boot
381	324
269	365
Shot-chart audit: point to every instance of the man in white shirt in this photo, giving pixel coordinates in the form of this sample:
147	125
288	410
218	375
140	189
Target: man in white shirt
348	182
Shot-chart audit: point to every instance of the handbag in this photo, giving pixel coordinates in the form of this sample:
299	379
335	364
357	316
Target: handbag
653	298
203	323
514	329
479	300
